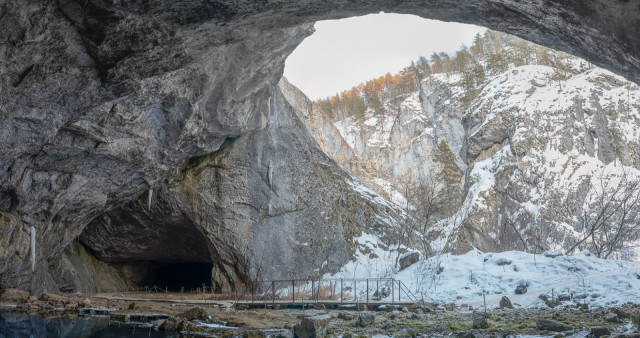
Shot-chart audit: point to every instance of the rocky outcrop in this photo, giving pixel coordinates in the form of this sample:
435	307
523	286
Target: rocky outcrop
102	101
256	213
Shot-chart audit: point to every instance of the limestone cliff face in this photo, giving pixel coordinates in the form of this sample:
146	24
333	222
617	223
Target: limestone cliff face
267	205
540	148
533	146
101	101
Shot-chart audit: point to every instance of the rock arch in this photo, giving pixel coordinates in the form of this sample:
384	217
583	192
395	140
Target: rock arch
103	100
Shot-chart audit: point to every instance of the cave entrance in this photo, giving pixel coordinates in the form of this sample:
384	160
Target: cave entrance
186	276
163	249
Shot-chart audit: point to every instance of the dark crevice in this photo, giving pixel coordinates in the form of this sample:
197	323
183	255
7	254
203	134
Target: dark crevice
23	75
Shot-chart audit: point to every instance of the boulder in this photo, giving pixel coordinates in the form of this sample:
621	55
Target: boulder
502	261
612	318
414	316
170	324
465	335
394	314
521	289
505	303
549	302
408	259
391	308
365	319
86	302
551	325
314	326
450	306
14	295
619	312
552	254
480	322
596	332
194	313
347	315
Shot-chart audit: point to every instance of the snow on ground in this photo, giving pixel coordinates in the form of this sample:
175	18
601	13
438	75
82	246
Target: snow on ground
465	278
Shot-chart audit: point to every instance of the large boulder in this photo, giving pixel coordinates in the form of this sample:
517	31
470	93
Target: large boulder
314	326
365	318
551	325
505	303
408	259
480	322
596	332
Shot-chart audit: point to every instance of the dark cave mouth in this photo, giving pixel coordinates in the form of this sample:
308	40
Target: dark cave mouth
174	276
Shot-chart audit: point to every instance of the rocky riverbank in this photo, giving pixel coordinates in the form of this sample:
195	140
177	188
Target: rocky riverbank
209	317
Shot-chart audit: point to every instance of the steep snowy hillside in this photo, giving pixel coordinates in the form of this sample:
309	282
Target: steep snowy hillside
505	146
541	149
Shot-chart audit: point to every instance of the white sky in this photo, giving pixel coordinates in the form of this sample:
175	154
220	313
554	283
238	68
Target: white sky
344	53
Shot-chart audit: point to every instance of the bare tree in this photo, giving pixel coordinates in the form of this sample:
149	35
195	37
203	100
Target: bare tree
423	206
609	221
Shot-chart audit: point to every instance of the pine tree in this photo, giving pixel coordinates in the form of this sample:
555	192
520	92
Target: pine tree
449	177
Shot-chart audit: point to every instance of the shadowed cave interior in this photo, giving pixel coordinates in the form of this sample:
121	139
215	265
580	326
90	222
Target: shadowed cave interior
175	276
162	250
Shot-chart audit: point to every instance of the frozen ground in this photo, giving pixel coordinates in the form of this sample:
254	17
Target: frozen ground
583	278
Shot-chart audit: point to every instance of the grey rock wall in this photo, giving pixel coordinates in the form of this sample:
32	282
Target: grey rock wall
102	100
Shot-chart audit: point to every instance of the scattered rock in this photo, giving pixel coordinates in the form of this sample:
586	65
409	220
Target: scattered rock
551	325
391	308
583	306
170	324
14	295
596	332
480	322
619	312
347	315
422	307
194	313
549	302
635	319
611	318
465	335
32	299
407	259
132	306
503	261
405	309
505	303
395	315
314	326
414	316
552	254
365	319
521	289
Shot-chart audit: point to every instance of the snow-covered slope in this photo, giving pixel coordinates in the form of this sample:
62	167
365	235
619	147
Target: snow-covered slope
578	279
542	152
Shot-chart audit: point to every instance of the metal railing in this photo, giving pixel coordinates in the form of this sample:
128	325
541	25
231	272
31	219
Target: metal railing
342	291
